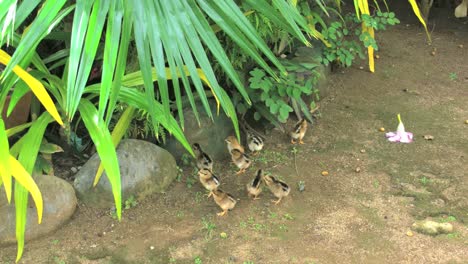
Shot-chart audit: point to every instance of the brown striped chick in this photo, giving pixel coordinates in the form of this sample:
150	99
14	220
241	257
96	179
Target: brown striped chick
299	131
254	188
241	160
208	180
254	142
279	188
203	160
232	143
224	200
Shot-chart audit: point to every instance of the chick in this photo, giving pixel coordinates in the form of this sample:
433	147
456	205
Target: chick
255	143
299	131
279	188
203	160
241	160
208	180
232	143
224	200
254	188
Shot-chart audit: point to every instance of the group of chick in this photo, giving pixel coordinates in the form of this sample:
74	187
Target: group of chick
255	143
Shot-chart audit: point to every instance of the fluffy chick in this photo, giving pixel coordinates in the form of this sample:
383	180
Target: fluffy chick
254	142
208	180
204	161
254	188
241	160
224	200
299	131
279	188
232	143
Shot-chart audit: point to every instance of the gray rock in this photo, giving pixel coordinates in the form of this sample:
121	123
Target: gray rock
59	205
144	167
432	228
210	135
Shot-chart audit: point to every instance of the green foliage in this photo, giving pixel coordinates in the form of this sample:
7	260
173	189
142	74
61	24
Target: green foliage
342	35
209	227
197	260
453	76
44	160
447	219
288	216
424	180
281	97
130	202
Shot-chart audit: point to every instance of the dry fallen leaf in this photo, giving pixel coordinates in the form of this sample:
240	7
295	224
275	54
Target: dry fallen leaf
409	233
363	151
382	129
358	169
466	121
324	173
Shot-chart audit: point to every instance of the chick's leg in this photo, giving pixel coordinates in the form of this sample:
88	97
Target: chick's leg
292	141
278	201
240	171
222	213
210	194
301	142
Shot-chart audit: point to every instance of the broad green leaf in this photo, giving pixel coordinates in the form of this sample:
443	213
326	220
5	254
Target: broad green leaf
117	134
102	139
111	48
142	42
121	62
137	99
50	148
36	31
28	147
5	169
88	23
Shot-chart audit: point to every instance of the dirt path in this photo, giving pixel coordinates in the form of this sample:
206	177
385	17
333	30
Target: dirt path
345	217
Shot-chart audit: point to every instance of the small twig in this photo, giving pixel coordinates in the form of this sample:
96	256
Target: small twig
295	161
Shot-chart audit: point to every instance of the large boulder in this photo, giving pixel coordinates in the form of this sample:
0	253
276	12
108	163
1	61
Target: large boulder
144	169
210	134
59	205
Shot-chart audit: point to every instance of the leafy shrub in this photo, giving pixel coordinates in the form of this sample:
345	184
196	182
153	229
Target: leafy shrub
276	99
343	44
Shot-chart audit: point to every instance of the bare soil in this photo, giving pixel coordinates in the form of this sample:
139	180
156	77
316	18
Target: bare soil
345	217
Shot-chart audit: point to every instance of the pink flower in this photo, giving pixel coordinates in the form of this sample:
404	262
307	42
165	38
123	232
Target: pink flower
400	135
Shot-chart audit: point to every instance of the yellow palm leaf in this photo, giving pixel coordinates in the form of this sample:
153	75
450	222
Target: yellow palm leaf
5	168
36	87
23	178
415	7
364	7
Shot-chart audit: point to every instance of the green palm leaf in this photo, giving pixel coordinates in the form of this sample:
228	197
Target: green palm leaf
29	149
101	137
88	23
